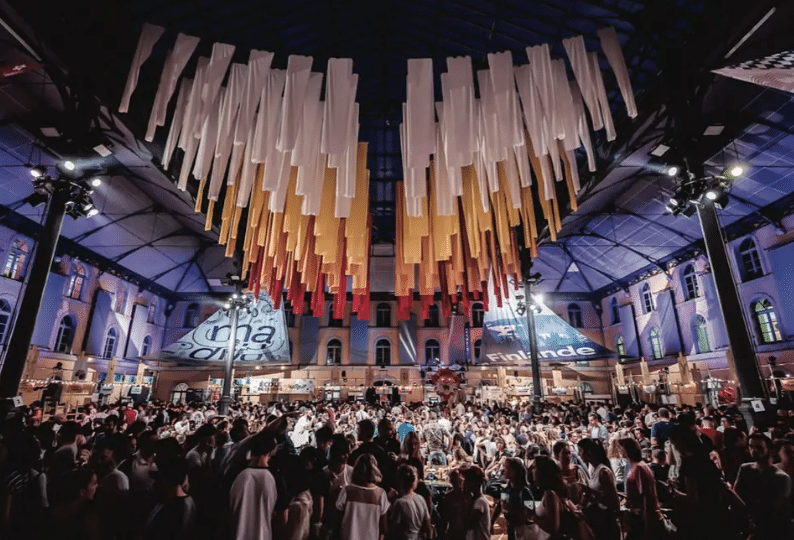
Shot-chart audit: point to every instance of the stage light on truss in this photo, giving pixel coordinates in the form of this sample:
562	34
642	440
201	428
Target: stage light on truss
69	165
96	182
672	170
735	171
38	171
91	213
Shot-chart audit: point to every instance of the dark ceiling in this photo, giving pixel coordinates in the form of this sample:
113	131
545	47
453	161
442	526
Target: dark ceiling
621	230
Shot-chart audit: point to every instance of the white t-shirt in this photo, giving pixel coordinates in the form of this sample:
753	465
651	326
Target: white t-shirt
252	499
481	529
406	517
361	509
115	482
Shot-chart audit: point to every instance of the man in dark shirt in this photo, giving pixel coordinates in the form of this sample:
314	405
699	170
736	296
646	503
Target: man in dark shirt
366	433
386	438
660	431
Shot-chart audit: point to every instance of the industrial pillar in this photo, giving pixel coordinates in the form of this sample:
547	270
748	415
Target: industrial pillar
228	368
30	300
743	360
529	278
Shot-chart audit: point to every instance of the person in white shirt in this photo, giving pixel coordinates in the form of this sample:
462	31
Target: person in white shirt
408	516
479	522
362	503
253	494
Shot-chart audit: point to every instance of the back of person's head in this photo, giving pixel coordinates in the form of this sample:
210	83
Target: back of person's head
204	432
69	432
263	444
731	436
548	476
70	486
173	471
595	450
685	439
406	478
664	413
631	448
708	422
366	430
474	476
323	435
366	471
558	447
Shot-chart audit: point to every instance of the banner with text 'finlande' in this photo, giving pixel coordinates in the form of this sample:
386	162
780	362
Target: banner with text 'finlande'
261	338
505	336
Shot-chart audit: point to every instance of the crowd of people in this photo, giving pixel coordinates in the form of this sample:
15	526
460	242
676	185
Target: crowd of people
359	471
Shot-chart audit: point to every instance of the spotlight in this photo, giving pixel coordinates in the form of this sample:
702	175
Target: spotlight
92	212
538	298
69	165
672	171
38	171
735	171
227	306
96	182
674	202
234	296
712	194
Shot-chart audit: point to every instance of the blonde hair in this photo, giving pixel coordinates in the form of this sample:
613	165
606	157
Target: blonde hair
614	451
366	471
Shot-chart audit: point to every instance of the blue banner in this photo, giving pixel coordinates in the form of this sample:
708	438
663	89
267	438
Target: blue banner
505	337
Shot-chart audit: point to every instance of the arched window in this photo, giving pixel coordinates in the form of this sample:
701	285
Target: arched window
191	316
333	352
615	310
76	281
432	320
432	352
65	336
477	350
5	319
146	347
331	320
17	257
766	321
476	315
152	313
656	344
749	262
575	315
383	352
690	282
110	344
383	315
121	299
647	299
700	335
289	315
620	347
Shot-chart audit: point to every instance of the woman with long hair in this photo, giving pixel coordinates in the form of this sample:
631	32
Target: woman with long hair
618	463
515	497
647	521
601	493
362	503
409	517
555	514
574	476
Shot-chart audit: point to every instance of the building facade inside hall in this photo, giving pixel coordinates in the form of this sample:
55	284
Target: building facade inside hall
104	332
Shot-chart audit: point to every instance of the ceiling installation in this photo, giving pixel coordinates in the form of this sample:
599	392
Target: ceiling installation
620	230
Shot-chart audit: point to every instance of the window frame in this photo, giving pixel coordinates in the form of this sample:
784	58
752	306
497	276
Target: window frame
17	260
749	261
5	318
332	322
383	309
76	283
646	297
620	347
67	329
655	339
477	350
767	312
433	317
111	340
700	334
429	345
477	315
575	318
615	308
333	343
195	320
382	344
690	283
146	348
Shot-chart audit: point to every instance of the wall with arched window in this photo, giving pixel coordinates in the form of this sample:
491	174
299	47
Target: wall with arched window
333	352
647	301
146	345
384	354
5	320
111	343
690	286
765	321
748	260
575	316
76	287
432	352
655	349
383	315
700	335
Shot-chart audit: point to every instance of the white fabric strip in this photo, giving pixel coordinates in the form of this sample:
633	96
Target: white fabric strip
174	65
540	64
459	96
216	71
298	70
601	93
193	103
522	165
176	123
444	197
269	117
582	127
247	174
209	138
228	119
611	47
504	90
565	107
580	62
340	95
282	172
258	69
419	114
307	144
150	34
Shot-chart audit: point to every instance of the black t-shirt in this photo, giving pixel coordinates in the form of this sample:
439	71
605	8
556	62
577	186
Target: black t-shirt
173	520
385	464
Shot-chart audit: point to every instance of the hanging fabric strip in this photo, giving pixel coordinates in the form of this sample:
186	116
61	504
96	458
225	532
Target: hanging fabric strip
540	65
582	127
340	95
228	118
582	70
174	65
611	47
258	70
565	108
269	117
603	102
504	92
458	92
298	71
209	138
419	115
150	34
216	71
176	123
